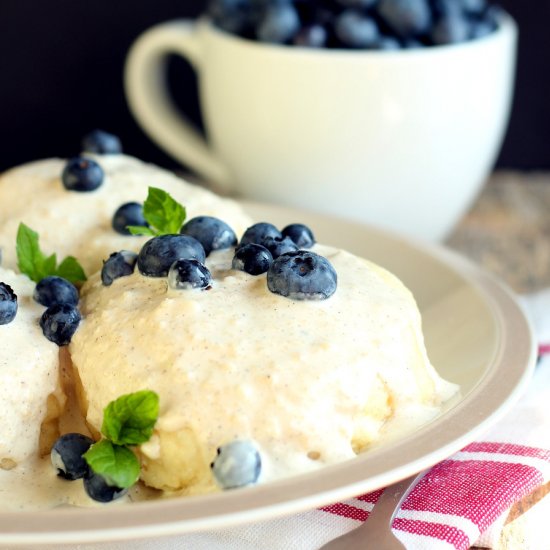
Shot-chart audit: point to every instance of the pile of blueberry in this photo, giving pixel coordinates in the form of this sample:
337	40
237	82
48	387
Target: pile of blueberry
291	271
356	24
67	459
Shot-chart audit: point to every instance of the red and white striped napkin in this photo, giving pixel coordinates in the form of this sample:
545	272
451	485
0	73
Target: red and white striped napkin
465	499
460	502
461	498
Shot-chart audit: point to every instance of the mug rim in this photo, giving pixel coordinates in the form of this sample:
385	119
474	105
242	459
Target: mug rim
507	26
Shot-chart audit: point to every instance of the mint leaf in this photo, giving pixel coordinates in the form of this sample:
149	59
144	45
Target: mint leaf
118	465
33	262
30	259
140	230
49	265
130	419
162	212
71	270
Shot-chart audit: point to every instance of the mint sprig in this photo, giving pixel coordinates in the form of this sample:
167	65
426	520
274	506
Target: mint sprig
128	420
164	214
71	270
117	464
33	262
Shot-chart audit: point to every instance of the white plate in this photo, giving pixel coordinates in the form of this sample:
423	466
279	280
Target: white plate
476	335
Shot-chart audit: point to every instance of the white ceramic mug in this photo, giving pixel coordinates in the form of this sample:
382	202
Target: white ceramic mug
402	139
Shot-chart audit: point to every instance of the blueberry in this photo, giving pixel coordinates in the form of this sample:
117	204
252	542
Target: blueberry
8	304
130	213
324	16
99	490
356	30
237	464
101	143
311	36
82	174
492	15
279	245
406	17
67	454
187	274
212	233
387	43
450	29
474	7
412	44
301	234
59	322
234	16
279	23
302	275
119	264
55	290
481	28
252	258
159	253
360	4
258	232
444	7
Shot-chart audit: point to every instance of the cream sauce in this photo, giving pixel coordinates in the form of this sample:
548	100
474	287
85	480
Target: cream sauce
309	381
34	484
79	224
312	383
29	370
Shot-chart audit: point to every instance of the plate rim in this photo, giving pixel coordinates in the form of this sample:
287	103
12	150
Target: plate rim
134	521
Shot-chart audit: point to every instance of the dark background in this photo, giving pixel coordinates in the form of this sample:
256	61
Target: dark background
61	75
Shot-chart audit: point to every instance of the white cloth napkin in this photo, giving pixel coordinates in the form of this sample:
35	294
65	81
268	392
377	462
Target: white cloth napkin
527	425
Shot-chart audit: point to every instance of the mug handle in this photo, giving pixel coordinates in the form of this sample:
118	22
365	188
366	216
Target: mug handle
150	102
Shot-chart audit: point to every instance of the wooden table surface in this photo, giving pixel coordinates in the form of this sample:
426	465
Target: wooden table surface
507	231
